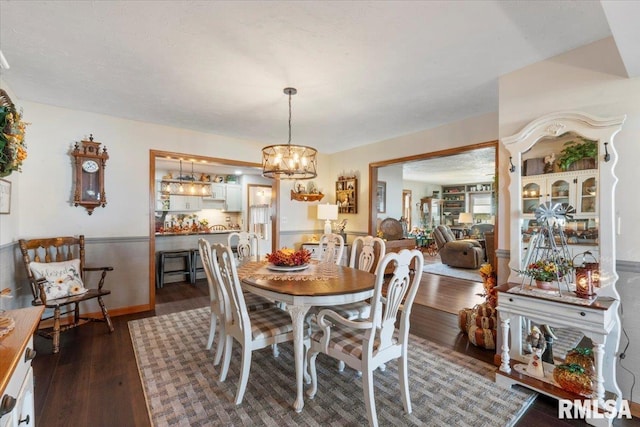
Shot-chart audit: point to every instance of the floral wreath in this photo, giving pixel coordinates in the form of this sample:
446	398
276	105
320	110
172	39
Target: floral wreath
13	150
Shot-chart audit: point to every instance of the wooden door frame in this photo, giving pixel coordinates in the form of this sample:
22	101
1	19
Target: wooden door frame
408	192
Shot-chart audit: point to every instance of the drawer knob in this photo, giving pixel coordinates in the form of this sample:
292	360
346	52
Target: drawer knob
582	313
26	420
29	354
510	299
7	404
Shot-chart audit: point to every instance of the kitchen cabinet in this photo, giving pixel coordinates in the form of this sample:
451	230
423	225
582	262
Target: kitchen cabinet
577	188
184	203
218	192
233	198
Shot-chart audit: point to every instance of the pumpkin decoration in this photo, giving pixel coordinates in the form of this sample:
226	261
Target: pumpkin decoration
573	378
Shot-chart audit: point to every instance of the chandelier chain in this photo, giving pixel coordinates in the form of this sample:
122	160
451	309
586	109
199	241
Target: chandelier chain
289	118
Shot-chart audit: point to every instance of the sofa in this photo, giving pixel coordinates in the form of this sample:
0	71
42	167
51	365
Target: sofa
464	253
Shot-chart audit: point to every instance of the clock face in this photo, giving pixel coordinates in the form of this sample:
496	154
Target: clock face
90	166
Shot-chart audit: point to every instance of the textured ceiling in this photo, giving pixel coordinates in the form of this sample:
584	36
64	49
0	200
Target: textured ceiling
365	71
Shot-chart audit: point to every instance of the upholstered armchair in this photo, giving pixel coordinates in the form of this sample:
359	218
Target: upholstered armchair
466	253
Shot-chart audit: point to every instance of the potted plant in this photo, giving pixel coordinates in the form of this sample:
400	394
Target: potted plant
575	151
545	271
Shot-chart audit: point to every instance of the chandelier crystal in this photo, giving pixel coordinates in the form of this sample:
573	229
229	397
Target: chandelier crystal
288	161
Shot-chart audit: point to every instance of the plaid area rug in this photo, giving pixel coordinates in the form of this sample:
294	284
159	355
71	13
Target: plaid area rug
179	379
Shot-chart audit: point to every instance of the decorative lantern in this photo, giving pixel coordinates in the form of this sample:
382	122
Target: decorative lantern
587	276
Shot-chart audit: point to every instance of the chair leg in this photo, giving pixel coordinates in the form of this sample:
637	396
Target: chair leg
276	351
221	342
105	314
76	313
212	329
340	366
404	383
228	345
244	374
56	330
370	403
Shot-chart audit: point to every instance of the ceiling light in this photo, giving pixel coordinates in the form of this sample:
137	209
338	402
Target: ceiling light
287	161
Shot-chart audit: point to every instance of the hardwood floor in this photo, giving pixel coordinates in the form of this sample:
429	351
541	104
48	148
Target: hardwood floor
94	381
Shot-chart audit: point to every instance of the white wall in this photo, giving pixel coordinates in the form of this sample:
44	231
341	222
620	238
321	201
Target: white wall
589	79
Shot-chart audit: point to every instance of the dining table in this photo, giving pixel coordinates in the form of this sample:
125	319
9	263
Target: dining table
318	284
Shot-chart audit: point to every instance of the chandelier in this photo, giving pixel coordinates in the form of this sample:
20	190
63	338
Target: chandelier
287	161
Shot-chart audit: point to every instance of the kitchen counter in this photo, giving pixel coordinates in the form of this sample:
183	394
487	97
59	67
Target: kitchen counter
187	241
193	233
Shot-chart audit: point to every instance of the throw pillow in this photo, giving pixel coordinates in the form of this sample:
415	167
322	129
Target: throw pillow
63	278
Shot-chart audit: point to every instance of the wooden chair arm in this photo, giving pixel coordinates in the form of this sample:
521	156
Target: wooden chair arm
102	276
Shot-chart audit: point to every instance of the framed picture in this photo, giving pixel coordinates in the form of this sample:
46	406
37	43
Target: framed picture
5	196
381	197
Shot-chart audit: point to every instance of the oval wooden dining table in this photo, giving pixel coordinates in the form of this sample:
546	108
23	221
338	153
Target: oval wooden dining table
326	285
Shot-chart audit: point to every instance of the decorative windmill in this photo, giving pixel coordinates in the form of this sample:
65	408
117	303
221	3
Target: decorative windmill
550	243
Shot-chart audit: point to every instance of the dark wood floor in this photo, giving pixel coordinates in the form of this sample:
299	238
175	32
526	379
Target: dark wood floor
94	380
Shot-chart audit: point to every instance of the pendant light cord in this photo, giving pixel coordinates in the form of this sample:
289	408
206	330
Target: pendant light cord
289	118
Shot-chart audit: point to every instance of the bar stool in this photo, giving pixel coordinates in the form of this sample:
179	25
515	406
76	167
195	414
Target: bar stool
195	256
163	256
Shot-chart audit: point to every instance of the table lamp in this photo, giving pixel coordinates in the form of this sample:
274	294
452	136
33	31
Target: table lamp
466	218
327	212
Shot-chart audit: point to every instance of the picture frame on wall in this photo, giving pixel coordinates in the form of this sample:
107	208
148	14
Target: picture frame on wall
381	197
5	196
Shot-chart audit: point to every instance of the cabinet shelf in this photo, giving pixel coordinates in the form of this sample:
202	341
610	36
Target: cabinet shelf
303	197
347	195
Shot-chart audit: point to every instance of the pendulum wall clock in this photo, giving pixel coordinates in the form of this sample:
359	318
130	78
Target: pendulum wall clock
89	164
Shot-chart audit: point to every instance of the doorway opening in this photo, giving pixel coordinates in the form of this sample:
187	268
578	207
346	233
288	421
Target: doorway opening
429	177
203	171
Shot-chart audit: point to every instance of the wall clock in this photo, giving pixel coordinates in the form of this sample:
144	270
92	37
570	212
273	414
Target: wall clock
89	162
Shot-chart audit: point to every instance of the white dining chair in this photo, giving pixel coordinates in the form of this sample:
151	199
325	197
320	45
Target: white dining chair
330	248
366	252
247	244
216	302
252	330
366	344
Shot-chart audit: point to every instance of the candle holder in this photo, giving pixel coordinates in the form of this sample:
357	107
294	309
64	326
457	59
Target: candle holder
587	276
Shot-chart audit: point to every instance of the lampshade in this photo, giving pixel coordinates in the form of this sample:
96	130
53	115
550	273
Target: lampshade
465	218
327	212
287	161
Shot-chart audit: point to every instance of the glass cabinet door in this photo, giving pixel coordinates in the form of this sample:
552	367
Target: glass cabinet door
587	195
530	198
560	191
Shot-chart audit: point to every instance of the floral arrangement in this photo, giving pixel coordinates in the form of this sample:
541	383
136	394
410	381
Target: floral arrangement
13	150
547	270
289	257
489	281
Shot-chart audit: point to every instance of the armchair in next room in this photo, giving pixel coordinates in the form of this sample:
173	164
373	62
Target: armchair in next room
466	253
